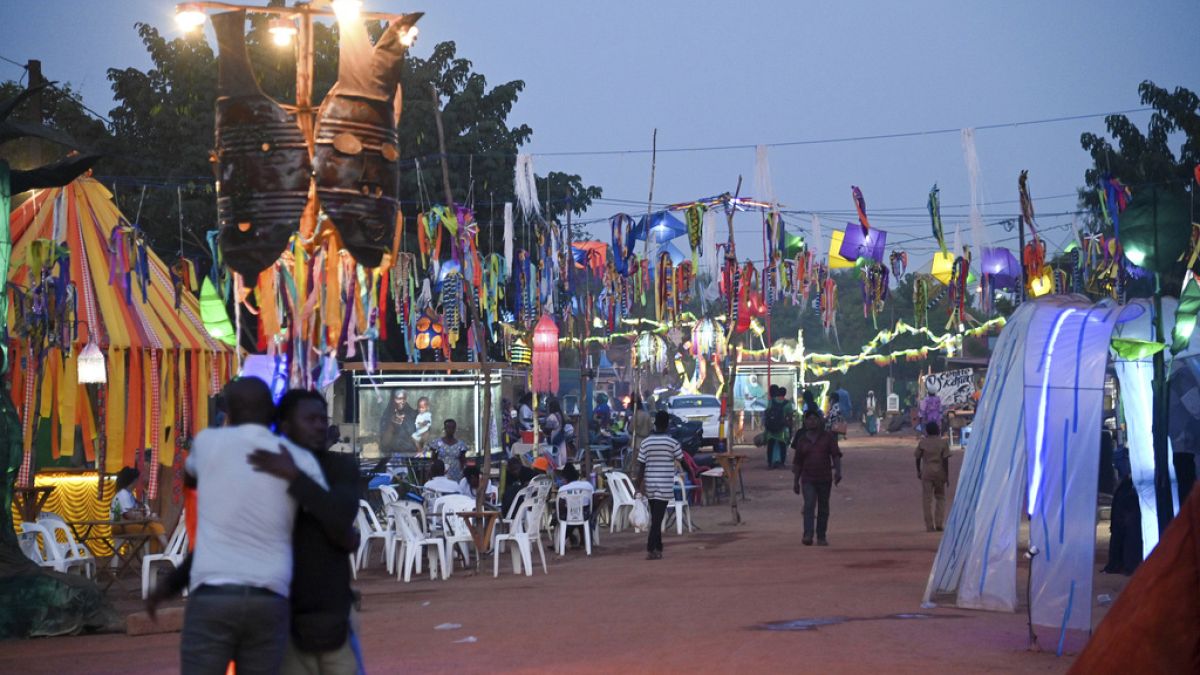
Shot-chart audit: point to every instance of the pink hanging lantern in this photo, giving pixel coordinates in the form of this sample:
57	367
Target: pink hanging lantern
545	356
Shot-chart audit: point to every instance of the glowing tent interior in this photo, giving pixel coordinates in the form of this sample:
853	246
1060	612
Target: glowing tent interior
86	279
1047	375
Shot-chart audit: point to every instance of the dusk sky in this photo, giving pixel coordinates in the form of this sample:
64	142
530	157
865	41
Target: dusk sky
602	76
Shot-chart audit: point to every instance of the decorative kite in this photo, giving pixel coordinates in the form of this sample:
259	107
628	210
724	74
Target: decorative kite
935	217
861	205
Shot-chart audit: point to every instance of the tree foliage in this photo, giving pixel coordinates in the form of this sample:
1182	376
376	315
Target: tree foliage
1142	159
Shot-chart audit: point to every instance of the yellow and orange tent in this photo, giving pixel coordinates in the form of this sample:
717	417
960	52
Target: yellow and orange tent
161	364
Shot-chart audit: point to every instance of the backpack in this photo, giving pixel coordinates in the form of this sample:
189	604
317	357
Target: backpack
775	419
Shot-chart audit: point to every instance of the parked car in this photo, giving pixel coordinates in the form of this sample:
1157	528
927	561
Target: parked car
702	408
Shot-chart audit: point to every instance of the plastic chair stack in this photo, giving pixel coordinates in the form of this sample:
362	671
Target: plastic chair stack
412	543
621	487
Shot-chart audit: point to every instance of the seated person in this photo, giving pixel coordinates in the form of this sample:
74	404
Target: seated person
469	485
573	482
125	507
439	482
542	465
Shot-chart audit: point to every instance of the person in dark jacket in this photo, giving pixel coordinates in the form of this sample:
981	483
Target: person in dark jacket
322	637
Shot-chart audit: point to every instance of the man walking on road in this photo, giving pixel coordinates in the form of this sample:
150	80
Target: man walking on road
659	456
817	468
933	470
778	421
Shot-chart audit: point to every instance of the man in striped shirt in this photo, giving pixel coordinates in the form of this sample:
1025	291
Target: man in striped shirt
658	456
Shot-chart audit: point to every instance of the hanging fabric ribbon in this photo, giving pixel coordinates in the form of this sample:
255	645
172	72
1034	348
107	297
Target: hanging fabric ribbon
860	205
620	225
899	263
695	227
935	217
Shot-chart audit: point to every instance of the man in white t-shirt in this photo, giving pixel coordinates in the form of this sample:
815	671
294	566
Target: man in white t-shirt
242	567
439	482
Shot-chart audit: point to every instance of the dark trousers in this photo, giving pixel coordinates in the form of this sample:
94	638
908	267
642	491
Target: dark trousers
816	504
248	626
658	511
776	452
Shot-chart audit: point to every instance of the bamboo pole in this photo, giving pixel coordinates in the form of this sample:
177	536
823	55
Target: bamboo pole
637	373
469	297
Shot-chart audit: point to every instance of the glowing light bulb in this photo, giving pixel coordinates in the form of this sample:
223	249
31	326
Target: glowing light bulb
410	36
282	31
1136	256
347	10
189	16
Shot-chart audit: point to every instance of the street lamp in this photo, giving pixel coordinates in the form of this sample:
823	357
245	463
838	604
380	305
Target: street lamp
282	31
189	16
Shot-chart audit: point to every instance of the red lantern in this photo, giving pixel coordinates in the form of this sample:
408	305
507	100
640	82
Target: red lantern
545	356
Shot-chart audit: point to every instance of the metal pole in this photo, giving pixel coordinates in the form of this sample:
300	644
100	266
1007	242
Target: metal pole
1021	255
1164	503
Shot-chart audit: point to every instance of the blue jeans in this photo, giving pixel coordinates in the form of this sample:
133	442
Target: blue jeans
246	625
776	452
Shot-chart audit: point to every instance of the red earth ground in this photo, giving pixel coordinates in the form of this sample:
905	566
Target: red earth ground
701	608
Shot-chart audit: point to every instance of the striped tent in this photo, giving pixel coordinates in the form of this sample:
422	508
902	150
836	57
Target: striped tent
161	364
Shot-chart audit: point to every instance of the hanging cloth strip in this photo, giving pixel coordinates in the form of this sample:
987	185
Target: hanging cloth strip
935	217
860	205
695	229
621	225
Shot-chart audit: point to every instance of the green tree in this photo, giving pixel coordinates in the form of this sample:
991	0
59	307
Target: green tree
1145	159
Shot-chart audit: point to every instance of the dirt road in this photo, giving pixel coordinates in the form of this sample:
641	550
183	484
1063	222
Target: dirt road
719	601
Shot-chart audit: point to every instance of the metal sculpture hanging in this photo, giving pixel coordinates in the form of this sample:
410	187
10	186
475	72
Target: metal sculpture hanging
264	169
261	160
354	164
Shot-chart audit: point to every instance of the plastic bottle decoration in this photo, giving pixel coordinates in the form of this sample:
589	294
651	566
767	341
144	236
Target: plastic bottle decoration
545	356
935	217
1034	254
708	339
651	353
621	225
958	291
684	279
451	301
899	262
750	303
875	290
695	229
828	304
921	301
664	291
860	205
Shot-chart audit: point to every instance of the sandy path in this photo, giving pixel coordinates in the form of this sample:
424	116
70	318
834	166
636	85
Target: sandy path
697	610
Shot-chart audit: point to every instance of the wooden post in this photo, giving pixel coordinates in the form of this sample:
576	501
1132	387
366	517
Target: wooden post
479	336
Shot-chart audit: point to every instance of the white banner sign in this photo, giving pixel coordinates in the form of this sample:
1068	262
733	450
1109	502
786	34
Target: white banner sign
954	387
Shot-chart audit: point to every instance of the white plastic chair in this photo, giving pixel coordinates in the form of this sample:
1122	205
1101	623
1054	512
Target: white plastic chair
70	549
369	530
621	487
388	495
50	552
525	531
412	543
174	554
455	530
572	508
678	507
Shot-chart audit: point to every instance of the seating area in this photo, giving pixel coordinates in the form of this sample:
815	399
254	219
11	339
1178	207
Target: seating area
444	533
